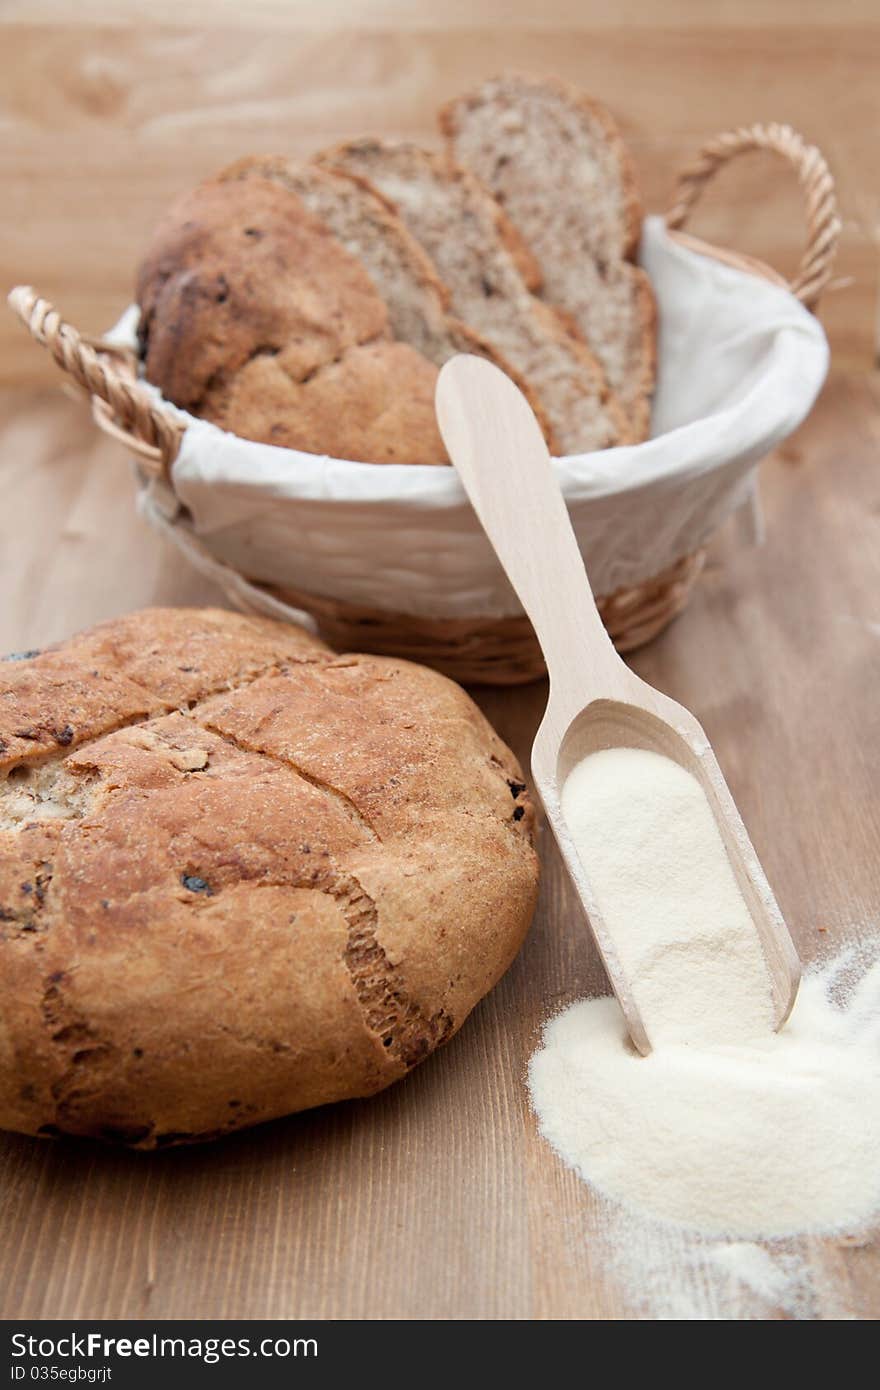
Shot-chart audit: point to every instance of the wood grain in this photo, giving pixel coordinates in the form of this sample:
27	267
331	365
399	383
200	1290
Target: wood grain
109	111
438	1199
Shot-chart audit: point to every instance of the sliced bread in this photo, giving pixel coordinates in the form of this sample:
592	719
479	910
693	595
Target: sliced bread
469	240
406	279
555	161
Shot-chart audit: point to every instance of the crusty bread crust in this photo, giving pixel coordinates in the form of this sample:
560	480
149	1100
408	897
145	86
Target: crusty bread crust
516	247
634	379
374	404
645	354
461	227
226	275
254	316
240	875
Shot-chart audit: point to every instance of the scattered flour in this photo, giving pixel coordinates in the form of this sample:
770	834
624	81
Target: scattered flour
668	1198
768	1137
750	1267
720	1137
670	1273
669	898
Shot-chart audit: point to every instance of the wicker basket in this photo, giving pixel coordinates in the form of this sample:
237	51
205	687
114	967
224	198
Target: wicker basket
500	650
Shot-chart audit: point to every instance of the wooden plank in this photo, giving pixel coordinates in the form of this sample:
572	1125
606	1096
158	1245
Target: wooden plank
438	1199
105	120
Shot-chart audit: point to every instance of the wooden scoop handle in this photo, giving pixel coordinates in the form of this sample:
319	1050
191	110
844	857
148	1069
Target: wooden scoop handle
498	449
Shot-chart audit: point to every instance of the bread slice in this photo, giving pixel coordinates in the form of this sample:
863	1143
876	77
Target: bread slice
555	161
369	229
469	240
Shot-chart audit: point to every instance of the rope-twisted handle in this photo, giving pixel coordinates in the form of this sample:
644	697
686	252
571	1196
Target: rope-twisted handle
134	411
823	223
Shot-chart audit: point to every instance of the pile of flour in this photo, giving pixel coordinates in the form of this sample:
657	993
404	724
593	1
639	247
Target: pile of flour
726	1127
668	896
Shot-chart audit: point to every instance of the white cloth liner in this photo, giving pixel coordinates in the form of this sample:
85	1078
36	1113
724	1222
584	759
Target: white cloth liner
740	364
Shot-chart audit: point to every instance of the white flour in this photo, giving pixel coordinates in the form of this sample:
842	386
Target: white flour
669	1272
769	1137
762	1135
660	872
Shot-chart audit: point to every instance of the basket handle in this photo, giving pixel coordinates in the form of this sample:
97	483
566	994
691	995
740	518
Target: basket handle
823	223
138	418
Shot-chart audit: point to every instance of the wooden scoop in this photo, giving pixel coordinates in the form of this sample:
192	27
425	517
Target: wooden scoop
595	700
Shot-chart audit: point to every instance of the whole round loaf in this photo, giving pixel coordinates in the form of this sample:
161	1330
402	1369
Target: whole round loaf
240	875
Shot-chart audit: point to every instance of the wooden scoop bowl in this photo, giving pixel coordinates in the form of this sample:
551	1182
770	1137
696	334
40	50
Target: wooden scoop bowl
595	700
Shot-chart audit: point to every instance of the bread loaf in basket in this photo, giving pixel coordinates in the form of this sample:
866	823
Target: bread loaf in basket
392	559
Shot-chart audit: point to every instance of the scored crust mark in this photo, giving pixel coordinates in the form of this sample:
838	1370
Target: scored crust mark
406	1032
350	808
43	786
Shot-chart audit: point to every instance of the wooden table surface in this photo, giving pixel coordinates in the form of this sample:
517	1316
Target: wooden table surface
438	1199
